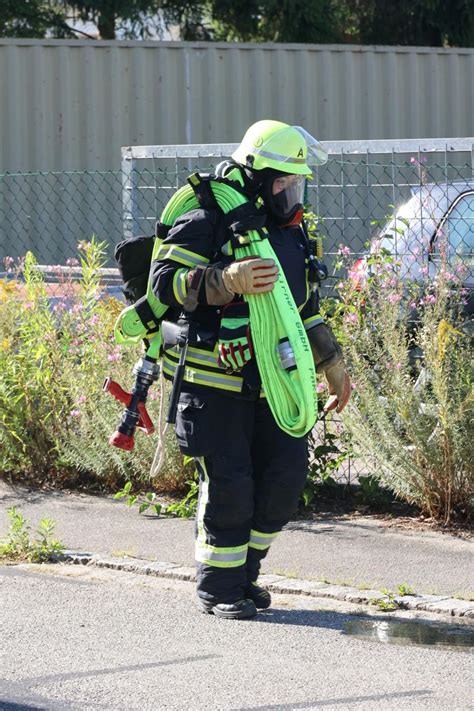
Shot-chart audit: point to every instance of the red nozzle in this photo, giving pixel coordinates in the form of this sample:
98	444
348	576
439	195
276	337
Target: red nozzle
110	386
122	441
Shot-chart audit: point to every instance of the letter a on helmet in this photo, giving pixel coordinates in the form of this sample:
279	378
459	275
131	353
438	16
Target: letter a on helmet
277	145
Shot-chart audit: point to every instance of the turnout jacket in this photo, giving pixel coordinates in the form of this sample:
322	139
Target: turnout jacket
200	237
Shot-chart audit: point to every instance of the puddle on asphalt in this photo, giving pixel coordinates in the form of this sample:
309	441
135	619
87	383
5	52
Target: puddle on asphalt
419	633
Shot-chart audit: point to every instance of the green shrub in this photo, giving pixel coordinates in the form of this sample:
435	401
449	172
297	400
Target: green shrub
412	408
20	546
55	419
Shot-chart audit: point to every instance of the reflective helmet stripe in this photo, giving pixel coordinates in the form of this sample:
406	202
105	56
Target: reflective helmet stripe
280	158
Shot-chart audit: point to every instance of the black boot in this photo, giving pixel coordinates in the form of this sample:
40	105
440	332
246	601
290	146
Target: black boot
239	610
260	596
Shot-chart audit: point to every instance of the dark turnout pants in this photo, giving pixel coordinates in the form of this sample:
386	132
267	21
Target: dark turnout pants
251	475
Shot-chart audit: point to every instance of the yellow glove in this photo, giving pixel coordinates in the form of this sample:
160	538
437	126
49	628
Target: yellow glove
339	387
250	275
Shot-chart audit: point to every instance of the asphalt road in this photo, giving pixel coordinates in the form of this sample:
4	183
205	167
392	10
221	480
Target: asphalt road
355	552
81	639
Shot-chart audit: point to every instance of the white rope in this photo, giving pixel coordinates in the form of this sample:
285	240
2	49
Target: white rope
159	458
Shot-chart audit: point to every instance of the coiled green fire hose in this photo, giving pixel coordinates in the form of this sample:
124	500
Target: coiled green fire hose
274	318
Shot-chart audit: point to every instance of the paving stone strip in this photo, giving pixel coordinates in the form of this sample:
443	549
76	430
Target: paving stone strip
279	584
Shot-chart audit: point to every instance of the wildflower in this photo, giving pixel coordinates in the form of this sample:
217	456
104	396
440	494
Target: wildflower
8	264
113	357
394	298
423	270
81	399
28	305
321	387
351	318
72	262
344	251
461	269
75	413
412	305
430	299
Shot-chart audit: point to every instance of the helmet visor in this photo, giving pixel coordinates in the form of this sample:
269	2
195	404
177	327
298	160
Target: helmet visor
288	192
316	153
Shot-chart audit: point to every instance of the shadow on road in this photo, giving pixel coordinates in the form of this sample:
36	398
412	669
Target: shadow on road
11	706
318	703
28	700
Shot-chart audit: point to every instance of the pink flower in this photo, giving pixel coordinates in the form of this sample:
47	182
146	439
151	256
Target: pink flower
81	399
28	304
424	270
8	263
113	357
430	299
351	318
72	262
75	413
394	298
321	387
412	305
344	250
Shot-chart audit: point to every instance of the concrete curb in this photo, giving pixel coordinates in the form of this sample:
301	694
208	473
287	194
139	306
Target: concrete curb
279	584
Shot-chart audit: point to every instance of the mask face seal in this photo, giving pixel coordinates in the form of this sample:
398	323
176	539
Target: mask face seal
283	195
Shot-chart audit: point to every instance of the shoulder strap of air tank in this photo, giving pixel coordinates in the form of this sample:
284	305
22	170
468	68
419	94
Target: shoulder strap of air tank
201	184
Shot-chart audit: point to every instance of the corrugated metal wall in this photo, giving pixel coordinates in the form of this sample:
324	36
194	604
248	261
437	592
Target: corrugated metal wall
72	105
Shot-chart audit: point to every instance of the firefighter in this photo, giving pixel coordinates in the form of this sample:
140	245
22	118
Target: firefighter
251	472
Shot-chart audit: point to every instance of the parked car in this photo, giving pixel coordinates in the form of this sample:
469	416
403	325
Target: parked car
437	220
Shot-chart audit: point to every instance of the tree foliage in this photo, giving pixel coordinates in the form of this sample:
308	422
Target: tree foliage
407	22
32	18
275	21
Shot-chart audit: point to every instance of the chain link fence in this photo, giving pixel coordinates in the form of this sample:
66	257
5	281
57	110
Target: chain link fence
404	194
362	184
